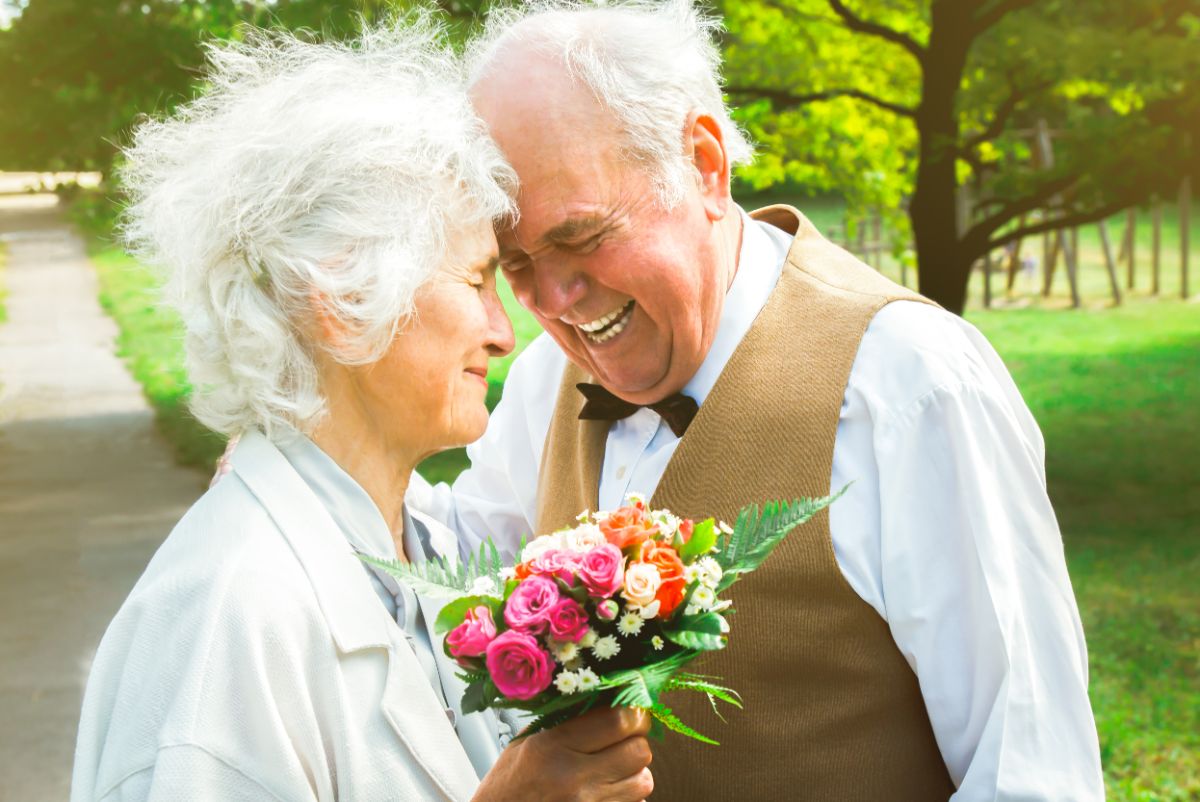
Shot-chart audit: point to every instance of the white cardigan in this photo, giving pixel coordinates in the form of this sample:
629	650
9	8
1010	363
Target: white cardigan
254	661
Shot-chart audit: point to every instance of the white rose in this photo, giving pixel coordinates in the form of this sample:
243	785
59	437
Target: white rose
539	546
642	582
583	539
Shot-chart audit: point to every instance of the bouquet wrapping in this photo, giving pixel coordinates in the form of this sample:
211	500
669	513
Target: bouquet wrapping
610	611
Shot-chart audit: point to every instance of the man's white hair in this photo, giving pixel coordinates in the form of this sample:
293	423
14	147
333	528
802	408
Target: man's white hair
331	174
650	62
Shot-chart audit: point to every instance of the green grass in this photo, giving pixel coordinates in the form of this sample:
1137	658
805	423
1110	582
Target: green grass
1116	392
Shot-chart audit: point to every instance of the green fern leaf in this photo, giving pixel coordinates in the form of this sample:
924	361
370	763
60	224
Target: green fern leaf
757	533
439	578
669	720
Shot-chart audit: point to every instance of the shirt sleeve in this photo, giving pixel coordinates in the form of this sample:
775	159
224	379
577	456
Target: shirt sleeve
187	771
974	585
497	495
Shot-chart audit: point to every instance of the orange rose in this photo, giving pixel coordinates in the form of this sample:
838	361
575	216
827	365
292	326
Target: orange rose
627	527
523	572
670	568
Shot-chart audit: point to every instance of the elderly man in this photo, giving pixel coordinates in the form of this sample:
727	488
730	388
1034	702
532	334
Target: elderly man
921	641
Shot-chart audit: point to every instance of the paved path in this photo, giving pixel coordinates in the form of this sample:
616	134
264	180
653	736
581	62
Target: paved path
88	490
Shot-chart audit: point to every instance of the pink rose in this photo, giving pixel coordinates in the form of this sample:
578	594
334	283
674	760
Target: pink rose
472	636
528	608
602	571
568	621
556	562
518	665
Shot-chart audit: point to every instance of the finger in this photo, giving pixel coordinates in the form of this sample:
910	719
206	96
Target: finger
622	760
631	789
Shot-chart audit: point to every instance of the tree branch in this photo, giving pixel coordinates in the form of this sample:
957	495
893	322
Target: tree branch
857	23
998	11
786	100
1093	215
979	234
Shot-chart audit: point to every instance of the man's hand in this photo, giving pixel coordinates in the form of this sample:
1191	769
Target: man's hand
601	756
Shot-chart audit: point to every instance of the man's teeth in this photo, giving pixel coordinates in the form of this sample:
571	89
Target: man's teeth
604	329
601	322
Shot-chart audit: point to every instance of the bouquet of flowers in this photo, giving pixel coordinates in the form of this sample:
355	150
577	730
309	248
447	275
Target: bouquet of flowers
609	611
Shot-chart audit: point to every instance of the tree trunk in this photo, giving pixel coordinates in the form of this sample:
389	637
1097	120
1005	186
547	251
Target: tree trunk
944	268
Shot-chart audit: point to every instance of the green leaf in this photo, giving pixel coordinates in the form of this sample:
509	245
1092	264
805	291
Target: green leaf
669	720
756	534
455	612
704	537
705	632
713	690
478	696
438	578
641	687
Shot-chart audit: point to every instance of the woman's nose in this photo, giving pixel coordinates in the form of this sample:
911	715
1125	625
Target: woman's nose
501	339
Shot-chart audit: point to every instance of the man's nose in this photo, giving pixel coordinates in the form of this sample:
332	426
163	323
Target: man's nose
556	288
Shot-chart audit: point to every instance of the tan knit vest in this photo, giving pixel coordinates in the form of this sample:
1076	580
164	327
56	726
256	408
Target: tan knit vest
833	713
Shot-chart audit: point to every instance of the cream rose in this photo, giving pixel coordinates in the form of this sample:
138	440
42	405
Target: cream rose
642	582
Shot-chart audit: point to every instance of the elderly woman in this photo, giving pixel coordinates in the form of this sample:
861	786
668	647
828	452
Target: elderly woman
325	216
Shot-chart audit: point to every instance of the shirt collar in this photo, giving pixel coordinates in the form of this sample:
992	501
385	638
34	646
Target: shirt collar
347	502
760	262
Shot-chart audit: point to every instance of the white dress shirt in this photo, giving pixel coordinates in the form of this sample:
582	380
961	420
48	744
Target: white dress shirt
947	531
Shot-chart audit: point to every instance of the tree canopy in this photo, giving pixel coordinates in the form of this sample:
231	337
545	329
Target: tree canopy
898	103
893	104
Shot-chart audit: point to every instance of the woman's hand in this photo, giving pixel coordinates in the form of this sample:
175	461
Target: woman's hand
602	756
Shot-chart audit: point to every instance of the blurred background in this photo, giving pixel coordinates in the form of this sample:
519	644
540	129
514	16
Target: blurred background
1029	164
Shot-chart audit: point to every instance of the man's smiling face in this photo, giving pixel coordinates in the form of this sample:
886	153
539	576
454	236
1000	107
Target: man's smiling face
631	292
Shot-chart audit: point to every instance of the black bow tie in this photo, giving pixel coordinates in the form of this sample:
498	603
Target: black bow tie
677	409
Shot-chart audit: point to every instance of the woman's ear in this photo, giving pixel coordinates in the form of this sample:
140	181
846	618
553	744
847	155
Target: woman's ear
704	146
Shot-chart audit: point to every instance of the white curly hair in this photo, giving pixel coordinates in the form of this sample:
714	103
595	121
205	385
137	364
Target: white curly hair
306	173
650	62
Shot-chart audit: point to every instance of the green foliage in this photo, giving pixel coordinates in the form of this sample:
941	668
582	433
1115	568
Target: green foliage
439	578
702	633
704	537
757	533
896	104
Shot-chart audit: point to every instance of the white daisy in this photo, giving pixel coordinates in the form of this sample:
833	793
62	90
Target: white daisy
564	651
567	682
724	527
704	597
574	665
630	624
589	639
657	643
692	573
712	572
508	572
691	609
588	681
606	647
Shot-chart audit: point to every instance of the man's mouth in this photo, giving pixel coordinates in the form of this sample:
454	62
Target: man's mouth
604	328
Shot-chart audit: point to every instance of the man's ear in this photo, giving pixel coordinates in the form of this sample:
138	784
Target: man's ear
704	147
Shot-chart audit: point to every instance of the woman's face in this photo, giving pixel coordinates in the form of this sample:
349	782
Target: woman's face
428	390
